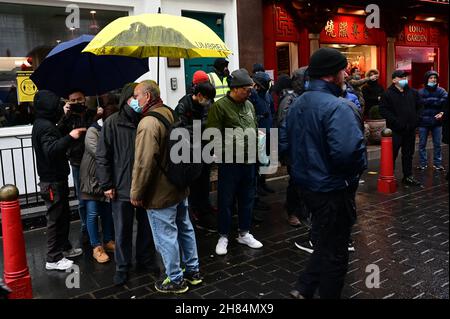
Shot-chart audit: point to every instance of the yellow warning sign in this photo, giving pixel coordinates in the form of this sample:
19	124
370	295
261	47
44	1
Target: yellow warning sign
26	89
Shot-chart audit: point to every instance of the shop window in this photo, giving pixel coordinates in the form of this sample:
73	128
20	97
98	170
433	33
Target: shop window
364	57
416	61
28	33
287	57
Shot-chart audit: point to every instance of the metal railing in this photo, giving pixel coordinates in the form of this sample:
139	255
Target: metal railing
18	167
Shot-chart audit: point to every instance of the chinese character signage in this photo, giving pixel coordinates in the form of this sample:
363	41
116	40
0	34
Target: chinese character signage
349	30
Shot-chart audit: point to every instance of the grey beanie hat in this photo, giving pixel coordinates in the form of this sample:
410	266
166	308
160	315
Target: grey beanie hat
240	78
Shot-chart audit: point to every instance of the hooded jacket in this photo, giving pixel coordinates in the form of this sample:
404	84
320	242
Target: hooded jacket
401	109
433	100
115	148
49	144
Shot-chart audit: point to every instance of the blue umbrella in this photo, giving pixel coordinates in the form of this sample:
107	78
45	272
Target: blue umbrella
66	68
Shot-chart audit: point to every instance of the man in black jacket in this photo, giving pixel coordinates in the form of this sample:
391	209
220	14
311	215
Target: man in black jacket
115	158
76	115
50	146
401	106
192	107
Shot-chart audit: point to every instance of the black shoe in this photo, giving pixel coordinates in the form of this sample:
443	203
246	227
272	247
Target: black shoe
194	278
259	205
166	286
120	278
207	222
422	167
410	180
307	246
439	168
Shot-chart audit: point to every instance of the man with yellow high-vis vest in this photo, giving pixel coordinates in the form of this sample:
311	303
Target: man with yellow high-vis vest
219	78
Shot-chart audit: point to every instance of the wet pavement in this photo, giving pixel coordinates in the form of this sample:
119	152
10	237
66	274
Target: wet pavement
405	235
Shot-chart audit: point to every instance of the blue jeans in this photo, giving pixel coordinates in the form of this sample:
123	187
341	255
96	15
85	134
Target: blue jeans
81	203
436	134
236	181
103	209
172	230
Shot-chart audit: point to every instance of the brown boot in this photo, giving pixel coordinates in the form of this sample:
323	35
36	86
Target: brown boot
100	255
110	246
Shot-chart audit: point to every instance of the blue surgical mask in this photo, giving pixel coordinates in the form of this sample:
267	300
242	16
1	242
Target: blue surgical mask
306	85
431	84
134	104
403	83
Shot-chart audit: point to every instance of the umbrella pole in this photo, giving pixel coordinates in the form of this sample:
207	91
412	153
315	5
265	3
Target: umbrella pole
158	67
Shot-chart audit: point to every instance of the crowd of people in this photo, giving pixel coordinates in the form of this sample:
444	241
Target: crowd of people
118	154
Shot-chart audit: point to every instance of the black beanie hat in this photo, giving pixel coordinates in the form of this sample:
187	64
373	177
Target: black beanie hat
220	63
326	61
240	78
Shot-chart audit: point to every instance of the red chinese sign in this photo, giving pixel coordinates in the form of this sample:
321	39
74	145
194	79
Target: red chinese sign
419	34
349	30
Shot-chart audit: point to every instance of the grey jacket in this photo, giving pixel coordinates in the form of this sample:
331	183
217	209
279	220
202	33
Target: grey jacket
89	186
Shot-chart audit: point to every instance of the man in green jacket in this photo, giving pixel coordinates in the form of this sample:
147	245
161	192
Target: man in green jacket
235	117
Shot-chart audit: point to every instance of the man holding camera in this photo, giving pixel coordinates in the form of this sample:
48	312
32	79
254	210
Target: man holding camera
76	115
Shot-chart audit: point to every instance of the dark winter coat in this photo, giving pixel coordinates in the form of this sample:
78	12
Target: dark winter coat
264	108
324	140
401	109
115	152
433	101
70	122
187	110
372	92
49	144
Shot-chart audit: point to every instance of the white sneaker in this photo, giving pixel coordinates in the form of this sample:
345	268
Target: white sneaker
249	240
61	264
74	252
221	247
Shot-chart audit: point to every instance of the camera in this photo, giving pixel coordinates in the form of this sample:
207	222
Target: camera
77	108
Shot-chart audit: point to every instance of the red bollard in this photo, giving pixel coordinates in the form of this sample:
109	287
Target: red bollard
16	274
386	180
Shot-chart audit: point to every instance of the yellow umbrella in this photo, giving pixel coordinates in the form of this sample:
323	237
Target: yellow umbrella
155	35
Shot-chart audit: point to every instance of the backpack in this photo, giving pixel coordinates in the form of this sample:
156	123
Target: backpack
181	175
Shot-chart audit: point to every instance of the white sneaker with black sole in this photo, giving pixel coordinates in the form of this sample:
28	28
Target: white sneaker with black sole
249	240
62	264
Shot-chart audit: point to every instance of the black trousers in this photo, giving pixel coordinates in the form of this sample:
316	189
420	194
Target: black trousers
333	215
123	217
407	142
56	197
295	205
199	191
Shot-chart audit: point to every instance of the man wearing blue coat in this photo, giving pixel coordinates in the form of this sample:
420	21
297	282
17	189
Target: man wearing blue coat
324	139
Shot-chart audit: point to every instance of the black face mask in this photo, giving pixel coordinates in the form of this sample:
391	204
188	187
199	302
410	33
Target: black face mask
77	108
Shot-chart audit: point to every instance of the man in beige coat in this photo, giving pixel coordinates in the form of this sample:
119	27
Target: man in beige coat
165	204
